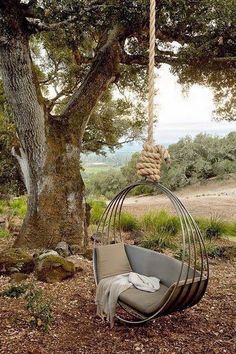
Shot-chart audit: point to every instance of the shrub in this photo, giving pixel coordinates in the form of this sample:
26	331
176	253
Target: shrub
220	251
39	308
212	228
128	222
4	233
155	223
159	242
230	229
97	209
14	291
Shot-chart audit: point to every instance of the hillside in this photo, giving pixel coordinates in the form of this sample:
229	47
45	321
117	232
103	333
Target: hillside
211	198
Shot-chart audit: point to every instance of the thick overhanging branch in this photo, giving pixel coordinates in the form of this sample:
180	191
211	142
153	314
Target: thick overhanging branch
102	72
37	25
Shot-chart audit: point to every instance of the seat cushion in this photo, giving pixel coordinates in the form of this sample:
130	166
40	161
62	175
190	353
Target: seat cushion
112	260
143	301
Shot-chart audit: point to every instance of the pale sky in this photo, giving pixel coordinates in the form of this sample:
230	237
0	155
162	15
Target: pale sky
181	115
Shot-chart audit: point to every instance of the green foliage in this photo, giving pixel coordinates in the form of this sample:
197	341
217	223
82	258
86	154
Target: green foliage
105	184
14	291
220	251
158	242
155	223
14	207
97	209
4	233
230	229
18	206
193	160
212	228
128	222
39	308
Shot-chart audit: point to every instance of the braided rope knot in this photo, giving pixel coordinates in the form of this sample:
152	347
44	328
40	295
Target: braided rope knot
149	164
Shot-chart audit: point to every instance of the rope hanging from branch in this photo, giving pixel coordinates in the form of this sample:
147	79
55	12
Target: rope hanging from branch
150	159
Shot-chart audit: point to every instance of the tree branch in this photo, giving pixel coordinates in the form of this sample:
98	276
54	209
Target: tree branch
38	26
102	72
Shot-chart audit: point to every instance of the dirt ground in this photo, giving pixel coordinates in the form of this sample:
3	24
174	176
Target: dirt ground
208	327
215	198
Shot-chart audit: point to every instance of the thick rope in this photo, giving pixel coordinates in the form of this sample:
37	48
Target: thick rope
151	71
150	159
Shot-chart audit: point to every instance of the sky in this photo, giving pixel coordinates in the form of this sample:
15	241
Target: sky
180	114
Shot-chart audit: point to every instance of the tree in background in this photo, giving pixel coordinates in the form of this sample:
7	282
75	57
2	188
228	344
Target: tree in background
60	64
193	160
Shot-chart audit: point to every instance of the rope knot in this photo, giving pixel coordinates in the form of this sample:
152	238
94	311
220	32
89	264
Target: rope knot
149	164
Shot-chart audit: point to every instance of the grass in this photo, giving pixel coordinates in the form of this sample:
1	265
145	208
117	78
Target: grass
155	223
18	206
97	209
14	207
230	229
159	242
215	228
128	222
4	233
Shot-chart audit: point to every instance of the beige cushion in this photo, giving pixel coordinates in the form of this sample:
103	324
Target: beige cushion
112	260
143	301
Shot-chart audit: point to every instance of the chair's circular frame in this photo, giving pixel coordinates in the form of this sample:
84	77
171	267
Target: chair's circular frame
192	245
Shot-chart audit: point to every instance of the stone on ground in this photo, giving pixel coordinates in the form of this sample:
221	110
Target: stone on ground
63	249
14	260
52	269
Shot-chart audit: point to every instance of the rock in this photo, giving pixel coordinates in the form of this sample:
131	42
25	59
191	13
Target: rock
77	262
19	277
88	254
13	270
16	258
74	249
45	253
62	249
52	269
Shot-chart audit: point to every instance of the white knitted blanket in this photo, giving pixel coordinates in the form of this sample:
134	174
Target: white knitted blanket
110	288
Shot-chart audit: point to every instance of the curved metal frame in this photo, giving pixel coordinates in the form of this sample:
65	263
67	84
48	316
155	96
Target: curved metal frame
191	237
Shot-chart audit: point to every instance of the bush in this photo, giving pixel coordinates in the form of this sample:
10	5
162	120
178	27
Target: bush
212	228
230	229
97	209
39	308
155	223
128	222
159	242
14	291
221	251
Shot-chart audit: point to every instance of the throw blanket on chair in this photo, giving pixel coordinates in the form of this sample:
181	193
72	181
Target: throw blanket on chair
110	288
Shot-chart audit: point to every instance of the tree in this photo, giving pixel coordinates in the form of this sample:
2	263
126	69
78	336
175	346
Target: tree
83	49
10	177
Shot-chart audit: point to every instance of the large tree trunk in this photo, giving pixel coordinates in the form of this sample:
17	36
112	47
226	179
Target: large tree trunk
60	207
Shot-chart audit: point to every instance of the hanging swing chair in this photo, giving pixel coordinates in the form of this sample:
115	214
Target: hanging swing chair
184	281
